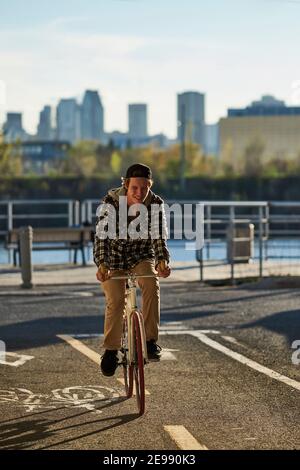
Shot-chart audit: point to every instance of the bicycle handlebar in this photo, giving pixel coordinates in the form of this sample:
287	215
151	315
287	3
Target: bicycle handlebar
132	276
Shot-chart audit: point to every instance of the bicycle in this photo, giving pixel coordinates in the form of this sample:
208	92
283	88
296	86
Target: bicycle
133	343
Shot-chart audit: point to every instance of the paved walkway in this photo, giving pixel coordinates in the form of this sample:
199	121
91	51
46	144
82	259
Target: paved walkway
70	274
64	274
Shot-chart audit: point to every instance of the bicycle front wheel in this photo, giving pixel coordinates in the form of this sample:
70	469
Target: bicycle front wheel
138	371
127	367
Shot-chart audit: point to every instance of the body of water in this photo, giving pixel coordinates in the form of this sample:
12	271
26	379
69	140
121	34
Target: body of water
180	251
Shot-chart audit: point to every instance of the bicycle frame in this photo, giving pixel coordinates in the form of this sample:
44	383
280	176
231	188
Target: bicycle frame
134	343
131	307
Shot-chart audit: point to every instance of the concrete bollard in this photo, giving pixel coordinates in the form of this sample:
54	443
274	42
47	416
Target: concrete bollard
26	235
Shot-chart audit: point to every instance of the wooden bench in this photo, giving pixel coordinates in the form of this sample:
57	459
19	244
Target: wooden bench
68	238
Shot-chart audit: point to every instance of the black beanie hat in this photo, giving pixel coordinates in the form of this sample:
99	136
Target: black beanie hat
138	170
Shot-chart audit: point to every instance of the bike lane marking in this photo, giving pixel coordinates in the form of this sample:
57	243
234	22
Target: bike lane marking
166	354
90	397
79	346
20	359
201	335
183	438
232	340
246	361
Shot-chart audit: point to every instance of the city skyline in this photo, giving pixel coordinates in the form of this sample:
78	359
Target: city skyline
147	52
73	121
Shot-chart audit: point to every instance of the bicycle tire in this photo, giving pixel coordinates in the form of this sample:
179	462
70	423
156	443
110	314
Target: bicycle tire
127	367
138	371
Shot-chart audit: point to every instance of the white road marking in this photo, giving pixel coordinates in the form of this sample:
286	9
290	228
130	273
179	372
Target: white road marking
45	298
230	339
20	361
201	335
245	360
86	351
87	335
81	348
173	325
89	397
83	294
174	329
183	438
188	332
167	354
2	350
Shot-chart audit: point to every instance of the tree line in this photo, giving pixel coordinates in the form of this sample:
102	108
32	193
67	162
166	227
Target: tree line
89	159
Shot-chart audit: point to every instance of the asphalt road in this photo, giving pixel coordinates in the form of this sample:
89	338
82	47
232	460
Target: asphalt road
217	380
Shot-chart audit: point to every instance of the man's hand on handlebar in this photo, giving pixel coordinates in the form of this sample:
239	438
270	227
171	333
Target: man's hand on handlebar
103	273
163	269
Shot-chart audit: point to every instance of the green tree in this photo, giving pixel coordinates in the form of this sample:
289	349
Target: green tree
227	163
10	159
253	155
116	163
81	159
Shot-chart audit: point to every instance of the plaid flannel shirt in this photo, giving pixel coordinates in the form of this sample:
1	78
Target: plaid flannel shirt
117	253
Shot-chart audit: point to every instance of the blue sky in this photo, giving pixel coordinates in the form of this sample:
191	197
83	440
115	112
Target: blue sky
147	51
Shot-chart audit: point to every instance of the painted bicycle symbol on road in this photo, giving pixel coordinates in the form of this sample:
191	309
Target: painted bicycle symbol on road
90	397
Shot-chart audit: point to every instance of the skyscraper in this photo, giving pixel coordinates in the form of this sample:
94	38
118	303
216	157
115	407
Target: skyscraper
13	128
191	117
45	131
68	120
92	117
137	117
212	139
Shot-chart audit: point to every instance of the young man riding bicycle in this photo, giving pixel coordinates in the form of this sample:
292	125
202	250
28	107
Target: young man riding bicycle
121	252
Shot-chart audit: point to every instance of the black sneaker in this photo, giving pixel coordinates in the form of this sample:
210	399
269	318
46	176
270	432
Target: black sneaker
153	350
109	362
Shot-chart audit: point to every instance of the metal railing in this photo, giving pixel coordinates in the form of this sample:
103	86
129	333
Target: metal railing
14	213
273	221
226	221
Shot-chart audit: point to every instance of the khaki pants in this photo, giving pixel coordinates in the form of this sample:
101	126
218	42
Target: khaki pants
114	291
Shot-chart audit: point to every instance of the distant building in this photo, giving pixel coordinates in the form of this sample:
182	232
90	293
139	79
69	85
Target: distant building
159	140
45	130
40	156
119	139
191	117
68	120
92	117
123	140
212	139
268	121
13	128
267	106
137	116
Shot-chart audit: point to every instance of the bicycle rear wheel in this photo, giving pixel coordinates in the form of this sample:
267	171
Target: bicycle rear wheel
127	367
138	371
